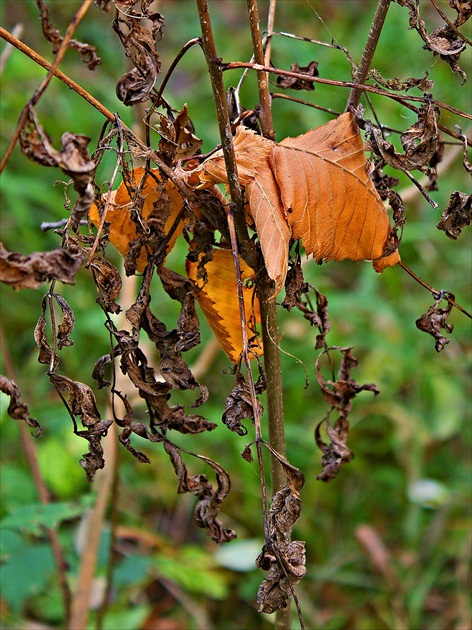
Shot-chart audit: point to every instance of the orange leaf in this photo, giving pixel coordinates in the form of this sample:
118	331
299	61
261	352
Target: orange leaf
122	228
218	300
315	188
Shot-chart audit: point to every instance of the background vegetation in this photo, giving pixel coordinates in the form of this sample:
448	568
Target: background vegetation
407	492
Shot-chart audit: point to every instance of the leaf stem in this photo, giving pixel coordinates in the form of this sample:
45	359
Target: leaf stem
369	51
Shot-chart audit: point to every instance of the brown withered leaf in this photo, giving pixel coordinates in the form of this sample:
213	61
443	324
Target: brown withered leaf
295	291
282	558
17	409
239	406
298	83
29	272
457	215
217	296
87	52
48	355
403	85
82	404
108	282
160	213
314	188
210	500
339	395
435	320
139	43
73	159
419	142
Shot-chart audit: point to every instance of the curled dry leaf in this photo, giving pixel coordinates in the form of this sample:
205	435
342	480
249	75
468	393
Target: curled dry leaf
420	142
239	406
87	52
140	46
210	500
315	188
73	159
17	409
218	298
299	83
29	272
435	320
402	85
457	215
282	558
82	404
124	216
338	395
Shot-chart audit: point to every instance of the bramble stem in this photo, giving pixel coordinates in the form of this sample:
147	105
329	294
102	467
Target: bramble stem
369	51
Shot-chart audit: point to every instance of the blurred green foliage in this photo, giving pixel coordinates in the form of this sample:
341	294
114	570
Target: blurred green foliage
410	480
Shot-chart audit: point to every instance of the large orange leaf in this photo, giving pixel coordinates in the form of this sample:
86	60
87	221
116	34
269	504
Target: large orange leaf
315	188
123	228
218	299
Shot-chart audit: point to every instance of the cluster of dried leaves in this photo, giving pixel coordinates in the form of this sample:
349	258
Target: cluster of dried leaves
317	189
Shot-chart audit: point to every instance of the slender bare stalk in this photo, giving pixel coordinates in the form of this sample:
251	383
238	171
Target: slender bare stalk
262	76
29	450
369	51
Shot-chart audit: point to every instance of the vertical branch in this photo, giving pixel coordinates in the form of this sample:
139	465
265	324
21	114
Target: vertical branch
262	76
43	493
369	50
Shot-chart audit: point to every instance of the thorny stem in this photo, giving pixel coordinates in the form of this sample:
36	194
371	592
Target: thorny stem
43	493
369	51
45	82
434	291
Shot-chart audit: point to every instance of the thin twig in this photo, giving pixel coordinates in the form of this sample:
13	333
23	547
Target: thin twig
403	99
6	52
449	23
262	76
369	51
434	291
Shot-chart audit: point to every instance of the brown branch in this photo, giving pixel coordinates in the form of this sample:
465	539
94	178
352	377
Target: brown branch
29	450
449	23
369	51
47	79
262	76
403	99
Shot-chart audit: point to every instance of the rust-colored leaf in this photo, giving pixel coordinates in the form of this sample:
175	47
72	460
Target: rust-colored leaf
218	300
315	188
123	230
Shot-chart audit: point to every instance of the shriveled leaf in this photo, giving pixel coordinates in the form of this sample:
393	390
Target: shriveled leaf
17	409
29	272
218	299
419	142
298	83
282	558
124	220
338	395
457	215
87	52
108	282
73	159
210	499
82	404
424	84
239	406
435	320
139	42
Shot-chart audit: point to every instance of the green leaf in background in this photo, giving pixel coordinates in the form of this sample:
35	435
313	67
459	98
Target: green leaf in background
32	518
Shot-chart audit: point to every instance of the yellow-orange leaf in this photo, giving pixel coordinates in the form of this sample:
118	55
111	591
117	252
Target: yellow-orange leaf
122	228
218	300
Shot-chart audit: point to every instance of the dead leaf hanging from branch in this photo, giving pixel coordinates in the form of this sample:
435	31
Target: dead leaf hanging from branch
17	409
435	320
457	215
315	188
